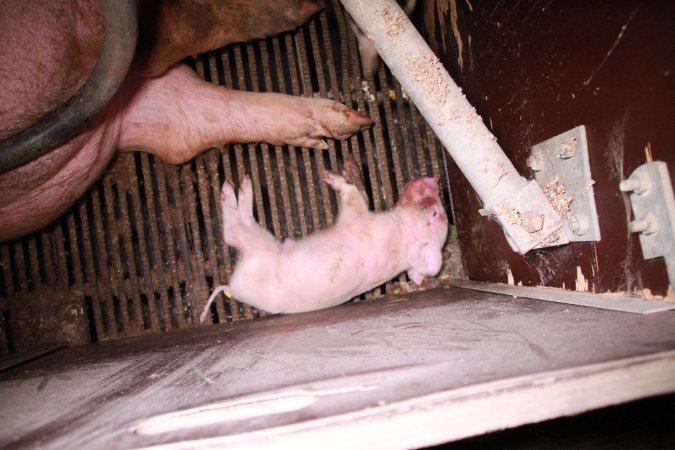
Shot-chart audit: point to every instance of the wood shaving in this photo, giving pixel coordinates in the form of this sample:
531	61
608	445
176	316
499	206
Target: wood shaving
427	71
394	24
568	148
508	214
555	194
365	88
549	241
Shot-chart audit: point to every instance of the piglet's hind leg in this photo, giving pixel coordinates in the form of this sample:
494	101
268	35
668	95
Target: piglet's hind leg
240	230
231	220
245	203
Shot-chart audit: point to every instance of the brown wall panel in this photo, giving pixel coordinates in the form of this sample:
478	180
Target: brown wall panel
536	69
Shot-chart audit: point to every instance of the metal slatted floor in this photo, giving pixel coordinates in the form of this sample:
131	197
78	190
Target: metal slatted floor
141	252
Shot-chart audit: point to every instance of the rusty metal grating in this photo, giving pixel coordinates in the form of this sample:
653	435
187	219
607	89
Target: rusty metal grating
142	250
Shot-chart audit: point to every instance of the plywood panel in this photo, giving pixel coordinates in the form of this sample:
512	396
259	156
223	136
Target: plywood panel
413	361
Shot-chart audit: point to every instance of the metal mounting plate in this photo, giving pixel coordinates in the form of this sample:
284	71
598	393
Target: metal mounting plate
651	197
562	169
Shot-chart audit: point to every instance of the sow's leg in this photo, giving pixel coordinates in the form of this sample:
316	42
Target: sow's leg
178	115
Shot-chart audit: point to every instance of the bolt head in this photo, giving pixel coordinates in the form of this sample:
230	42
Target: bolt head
532	222
535	162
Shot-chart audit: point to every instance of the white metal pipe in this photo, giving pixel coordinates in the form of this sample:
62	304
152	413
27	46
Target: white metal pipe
519	205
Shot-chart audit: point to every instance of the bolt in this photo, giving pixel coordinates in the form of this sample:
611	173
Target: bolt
637	184
647	225
578	223
535	162
629	185
638	226
532	222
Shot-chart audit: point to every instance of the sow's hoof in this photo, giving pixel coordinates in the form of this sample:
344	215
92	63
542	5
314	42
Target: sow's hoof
312	120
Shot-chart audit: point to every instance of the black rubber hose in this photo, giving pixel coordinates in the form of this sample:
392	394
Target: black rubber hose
62	123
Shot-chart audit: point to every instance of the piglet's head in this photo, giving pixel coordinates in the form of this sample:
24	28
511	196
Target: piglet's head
426	227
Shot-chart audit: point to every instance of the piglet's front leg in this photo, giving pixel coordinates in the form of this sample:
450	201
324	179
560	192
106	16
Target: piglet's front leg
351	201
178	115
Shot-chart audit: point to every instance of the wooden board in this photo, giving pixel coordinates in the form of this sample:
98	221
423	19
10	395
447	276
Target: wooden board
397	373
613	302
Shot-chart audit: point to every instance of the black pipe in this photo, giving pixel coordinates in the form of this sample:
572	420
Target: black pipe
62	123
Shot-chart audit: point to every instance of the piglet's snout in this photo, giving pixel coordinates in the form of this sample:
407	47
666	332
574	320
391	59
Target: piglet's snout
422	198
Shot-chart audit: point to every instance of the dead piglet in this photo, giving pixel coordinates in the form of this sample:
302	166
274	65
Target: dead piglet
359	252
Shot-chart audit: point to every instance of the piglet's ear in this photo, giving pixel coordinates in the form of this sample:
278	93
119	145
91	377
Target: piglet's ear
424	260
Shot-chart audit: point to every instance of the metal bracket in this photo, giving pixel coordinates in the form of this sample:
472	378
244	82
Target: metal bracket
562	169
651	196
